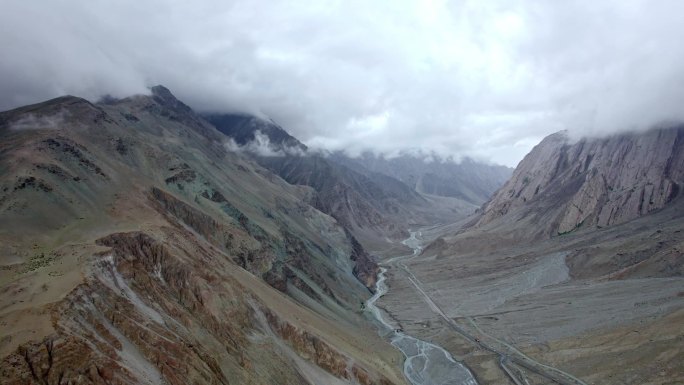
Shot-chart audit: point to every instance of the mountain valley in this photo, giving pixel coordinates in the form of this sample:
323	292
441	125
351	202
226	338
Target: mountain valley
601	301
143	242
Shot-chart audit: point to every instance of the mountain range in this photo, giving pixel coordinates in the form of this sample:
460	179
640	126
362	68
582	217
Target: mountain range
144	245
598	183
143	242
468	180
375	203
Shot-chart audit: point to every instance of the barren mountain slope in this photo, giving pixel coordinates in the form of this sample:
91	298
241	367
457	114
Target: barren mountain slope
563	186
135	248
377	208
603	302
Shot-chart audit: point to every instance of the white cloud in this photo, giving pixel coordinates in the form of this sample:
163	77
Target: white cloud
39	122
483	79
261	145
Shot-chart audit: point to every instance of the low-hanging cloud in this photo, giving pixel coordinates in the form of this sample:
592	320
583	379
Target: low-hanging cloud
39	122
261	145
461	78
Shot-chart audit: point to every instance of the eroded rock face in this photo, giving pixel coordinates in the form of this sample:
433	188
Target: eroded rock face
365	268
151	312
140	318
595	182
323	354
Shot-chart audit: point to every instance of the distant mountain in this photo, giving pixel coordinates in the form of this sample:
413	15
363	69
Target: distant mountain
563	185
352	198
245	129
471	181
374	206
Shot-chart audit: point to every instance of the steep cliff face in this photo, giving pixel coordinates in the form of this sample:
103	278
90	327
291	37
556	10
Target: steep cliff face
593	182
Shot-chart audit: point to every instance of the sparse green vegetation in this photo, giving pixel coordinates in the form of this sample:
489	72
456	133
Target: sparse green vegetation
36	262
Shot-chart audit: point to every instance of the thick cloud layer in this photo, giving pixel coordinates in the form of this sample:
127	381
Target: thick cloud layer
483	79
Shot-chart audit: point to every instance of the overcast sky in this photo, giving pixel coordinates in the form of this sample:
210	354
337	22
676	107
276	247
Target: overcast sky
487	79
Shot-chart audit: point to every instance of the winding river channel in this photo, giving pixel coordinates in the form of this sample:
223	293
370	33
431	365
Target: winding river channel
426	363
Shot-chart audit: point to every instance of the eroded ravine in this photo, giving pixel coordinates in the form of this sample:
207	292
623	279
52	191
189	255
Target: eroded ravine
426	363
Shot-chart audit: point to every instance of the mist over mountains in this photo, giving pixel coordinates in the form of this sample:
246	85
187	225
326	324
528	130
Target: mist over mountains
463	79
400	192
359	194
155	243
468	180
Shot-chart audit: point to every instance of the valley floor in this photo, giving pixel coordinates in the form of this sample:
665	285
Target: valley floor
522	318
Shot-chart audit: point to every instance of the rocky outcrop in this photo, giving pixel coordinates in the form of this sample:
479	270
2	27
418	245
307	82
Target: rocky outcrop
365	269
317	350
195	219
594	182
65	147
56	171
140	317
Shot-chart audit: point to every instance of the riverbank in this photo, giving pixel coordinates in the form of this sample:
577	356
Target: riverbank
425	363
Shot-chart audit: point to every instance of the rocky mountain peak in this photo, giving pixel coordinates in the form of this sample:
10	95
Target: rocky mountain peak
57	113
163	93
594	182
245	129
164	97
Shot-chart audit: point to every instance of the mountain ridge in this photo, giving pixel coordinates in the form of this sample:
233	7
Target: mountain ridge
593	182
372	205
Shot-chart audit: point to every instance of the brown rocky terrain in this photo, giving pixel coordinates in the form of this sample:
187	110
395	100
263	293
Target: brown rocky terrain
592	182
136	249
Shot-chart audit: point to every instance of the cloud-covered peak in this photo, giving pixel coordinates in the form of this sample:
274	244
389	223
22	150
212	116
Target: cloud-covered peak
460	78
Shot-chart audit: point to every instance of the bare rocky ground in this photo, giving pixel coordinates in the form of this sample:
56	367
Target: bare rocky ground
571	302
